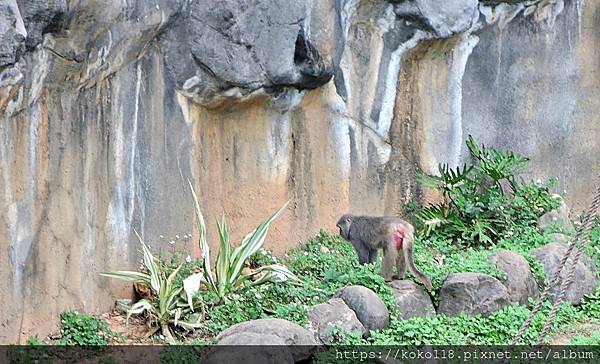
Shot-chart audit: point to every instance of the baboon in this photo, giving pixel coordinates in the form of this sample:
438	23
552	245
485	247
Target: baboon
367	234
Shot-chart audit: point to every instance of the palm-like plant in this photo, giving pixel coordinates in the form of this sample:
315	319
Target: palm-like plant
167	306
497	164
227	277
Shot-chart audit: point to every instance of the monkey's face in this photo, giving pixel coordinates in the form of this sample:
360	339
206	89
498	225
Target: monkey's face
344	225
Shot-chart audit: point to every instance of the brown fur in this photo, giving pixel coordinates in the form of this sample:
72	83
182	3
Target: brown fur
367	234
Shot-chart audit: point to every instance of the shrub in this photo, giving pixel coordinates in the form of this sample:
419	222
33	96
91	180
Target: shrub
476	208
82	329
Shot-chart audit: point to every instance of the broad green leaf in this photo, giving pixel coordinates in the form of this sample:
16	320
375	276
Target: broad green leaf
128	276
150	264
139	307
204	248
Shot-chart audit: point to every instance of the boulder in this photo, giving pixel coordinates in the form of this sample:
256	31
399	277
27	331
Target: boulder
334	313
411	299
251	348
370	310
442	18
473	294
519	282
227	50
558	217
584	280
302	341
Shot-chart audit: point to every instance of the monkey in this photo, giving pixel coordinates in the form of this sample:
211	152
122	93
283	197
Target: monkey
367	234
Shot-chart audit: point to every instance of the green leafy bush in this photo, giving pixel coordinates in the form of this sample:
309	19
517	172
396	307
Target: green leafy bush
476	208
82	329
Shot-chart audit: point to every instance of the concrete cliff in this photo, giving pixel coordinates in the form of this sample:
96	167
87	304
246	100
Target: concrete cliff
107	108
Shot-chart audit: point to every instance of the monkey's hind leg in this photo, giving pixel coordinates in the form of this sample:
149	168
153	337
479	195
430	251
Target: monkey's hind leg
400	265
407	247
390	256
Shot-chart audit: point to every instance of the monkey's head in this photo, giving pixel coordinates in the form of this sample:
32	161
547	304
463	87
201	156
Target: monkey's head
344	225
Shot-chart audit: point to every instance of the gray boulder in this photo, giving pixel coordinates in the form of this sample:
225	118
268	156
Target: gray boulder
441	18
251	348
370	310
332	314
473	294
558	217
411	299
584	280
302	341
519	282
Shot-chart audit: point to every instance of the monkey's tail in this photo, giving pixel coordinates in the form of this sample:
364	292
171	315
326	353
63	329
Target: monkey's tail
407	247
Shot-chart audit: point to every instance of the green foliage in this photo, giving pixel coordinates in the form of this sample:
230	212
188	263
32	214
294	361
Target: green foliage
82	329
168	305
476	209
228	278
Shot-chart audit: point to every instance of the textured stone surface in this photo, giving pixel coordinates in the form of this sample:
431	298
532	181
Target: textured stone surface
557	218
333	314
412	300
302	342
99	133
250	347
370	310
520	282
584	279
442	18
473	294
231	49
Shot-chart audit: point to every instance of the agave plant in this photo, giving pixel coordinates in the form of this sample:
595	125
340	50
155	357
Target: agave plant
227	277
167	306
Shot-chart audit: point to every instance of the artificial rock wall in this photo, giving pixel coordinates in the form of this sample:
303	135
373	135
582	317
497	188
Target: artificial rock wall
107	108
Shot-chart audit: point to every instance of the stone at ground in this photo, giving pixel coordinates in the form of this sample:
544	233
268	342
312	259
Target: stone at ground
584	281
558	238
370	310
252	348
303	341
519	282
323	318
558	217
411	299
473	294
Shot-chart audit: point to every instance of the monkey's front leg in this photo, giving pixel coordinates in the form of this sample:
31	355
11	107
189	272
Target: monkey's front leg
373	256
363	253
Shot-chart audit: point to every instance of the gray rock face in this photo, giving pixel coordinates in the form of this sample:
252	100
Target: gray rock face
412	300
303	343
442	18
370	310
332	314
473	294
584	280
251	348
520	282
12	31
231	49
558	217
40	17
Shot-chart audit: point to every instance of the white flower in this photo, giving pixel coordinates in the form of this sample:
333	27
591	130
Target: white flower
188	259
161	236
172	242
176	237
